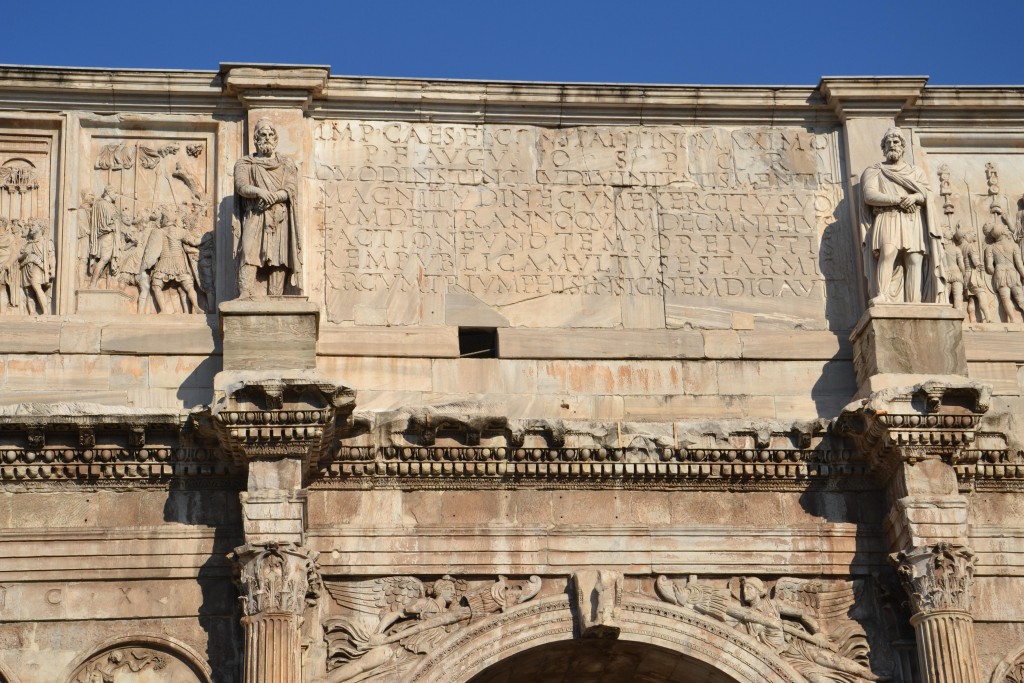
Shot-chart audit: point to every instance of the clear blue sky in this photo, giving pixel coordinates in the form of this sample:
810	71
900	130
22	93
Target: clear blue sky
725	42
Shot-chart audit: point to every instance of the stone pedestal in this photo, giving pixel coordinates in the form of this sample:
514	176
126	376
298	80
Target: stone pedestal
905	344
273	333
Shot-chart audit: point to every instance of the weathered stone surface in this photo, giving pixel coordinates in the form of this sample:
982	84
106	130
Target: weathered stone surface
674	439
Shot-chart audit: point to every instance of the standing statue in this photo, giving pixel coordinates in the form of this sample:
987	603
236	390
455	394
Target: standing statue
105	239
266	184
903	257
37	266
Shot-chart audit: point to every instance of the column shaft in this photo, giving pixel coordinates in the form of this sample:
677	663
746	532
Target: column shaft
272	651
945	647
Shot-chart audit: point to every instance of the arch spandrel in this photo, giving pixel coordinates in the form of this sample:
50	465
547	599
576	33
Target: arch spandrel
470	651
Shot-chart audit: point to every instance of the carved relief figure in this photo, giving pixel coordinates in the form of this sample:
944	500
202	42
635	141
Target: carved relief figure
1003	262
903	252
396	617
977	294
126	660
10	279
36	261
149	207
173	267
105	240
955	269
270	246
791	628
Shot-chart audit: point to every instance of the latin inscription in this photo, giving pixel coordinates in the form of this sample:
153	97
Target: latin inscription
515	215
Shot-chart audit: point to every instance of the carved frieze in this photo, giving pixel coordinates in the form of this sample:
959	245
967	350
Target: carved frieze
145	224
387	623
276	578
937	577
805	621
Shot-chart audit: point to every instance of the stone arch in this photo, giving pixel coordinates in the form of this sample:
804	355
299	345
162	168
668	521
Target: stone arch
6	676
1011	668
473	649
177	658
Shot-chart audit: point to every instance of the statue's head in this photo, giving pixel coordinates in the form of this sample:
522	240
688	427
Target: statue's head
264	137
893	144
752	590
444	589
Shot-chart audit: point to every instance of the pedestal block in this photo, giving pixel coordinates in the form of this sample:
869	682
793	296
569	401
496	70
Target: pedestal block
903	344
272	333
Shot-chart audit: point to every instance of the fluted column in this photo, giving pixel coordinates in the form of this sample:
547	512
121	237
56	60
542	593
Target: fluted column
276	581
939	579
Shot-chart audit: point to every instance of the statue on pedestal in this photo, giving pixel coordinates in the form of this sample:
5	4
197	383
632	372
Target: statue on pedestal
903	255
266	184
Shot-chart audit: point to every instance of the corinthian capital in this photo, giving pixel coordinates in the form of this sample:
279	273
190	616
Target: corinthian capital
937	577
276	578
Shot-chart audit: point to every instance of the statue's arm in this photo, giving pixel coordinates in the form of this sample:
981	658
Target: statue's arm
989	262
242	185
872	191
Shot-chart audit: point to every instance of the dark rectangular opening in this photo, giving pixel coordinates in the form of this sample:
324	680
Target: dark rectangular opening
478	342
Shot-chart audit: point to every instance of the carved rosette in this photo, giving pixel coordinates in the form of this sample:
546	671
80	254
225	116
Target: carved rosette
937	577
276	578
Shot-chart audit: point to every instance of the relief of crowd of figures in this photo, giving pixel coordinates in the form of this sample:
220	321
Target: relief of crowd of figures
146	233
27	261
986	283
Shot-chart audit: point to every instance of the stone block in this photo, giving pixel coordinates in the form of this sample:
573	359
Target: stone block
30	336
80	337
923	339
129	372
378	374
585	343
270	333
189	372
721	344
427	342
71	373
191	335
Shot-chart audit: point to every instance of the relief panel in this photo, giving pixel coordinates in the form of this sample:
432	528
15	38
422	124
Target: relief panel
27	230
980	207
144	222
639	227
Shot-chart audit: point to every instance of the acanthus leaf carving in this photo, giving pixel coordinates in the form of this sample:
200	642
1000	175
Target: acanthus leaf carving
803	621
277	578
937	577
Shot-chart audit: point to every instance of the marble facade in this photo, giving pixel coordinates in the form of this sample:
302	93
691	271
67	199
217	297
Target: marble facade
564	383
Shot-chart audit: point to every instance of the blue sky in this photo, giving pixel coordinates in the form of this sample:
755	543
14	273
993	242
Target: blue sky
791	42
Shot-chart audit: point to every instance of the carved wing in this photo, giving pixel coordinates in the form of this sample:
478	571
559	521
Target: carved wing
830	603
824	600
378	596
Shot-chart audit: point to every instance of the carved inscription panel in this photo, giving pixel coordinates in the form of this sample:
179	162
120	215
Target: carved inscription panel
641	227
